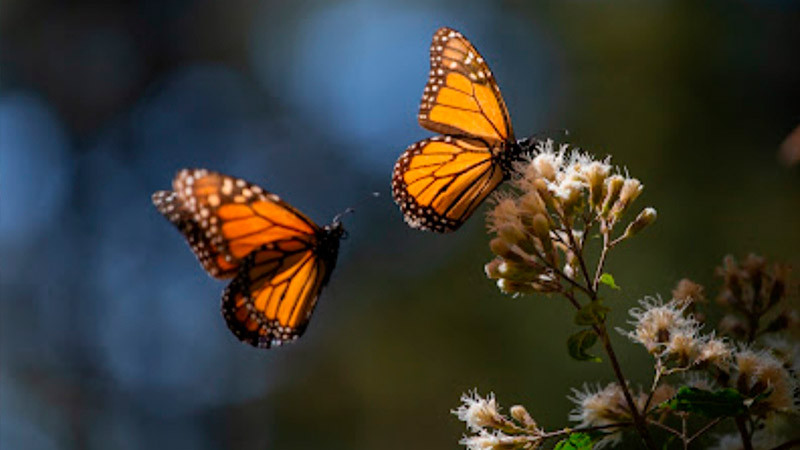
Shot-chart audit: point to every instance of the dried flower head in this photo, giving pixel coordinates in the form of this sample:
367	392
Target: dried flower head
716	352
479	412
688	292
497	440
762	376
752	287
662	327
596	407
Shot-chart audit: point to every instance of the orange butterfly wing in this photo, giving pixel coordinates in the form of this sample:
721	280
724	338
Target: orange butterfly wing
439	182
213	261
462	97
272	298
279	257
234	217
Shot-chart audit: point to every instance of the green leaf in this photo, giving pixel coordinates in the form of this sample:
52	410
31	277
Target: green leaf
578	343
725	402
608	280
593	313
576	441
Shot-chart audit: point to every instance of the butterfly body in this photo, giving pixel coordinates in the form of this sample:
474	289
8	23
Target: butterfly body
278	258
439	182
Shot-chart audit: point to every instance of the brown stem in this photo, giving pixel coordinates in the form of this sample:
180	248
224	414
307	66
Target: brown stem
583	429
578	250
638	420
602	261
705	428
683	433
600	329
656	379
665	427
746	439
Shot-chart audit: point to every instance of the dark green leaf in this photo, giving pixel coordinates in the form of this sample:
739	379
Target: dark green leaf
608	280
725	402
578	343
576	441
593	313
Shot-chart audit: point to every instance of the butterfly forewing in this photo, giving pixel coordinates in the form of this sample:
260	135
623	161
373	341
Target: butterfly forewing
461	96
439	182
236	216
214	262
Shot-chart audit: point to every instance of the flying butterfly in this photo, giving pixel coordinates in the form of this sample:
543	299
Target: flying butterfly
439	182
278	259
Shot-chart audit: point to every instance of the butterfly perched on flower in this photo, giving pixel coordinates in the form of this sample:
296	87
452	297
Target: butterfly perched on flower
278	258
439	182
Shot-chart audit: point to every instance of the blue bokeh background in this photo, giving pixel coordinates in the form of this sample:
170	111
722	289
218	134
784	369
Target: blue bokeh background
110	334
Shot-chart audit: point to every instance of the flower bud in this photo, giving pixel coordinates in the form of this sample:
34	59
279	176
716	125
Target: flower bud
571	195
644	219
531	204
519	272
501	248
492	269
688	292
514	287
512	233
541	228
520	414
596	174
504	212
545	194
631	189
614	185
546	165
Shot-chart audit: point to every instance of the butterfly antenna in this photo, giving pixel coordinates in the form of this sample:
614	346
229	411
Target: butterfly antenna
338	217
351	210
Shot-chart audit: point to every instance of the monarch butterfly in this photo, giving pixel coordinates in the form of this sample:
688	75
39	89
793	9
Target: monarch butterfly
278	258
439	182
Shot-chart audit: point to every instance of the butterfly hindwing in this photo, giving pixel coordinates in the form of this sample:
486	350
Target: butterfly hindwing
461	96
439	182
271	299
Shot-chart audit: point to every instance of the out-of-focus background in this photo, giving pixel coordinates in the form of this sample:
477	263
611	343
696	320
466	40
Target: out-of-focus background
110	332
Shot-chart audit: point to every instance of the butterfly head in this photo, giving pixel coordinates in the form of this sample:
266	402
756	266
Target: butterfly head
336	229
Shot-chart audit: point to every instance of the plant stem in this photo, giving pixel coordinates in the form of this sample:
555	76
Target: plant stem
667	428
683	432
578	250
583	429
704	429
591	290
656	379
638	420
600	329
602	261
746	439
